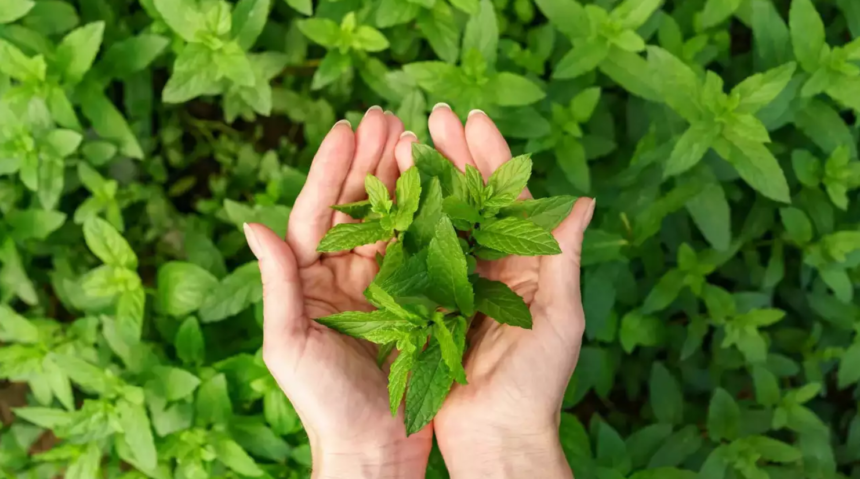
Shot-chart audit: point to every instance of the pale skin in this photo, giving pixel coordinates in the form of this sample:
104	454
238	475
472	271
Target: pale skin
504	423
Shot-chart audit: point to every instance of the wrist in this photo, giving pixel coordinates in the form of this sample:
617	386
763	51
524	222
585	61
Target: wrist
386	461
506	453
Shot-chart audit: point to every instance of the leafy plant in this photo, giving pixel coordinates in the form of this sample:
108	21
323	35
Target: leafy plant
427	286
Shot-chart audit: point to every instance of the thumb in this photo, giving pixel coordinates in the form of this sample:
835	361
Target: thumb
558	292
283	302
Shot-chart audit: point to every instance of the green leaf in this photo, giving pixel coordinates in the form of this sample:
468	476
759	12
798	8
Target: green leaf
447	269
108	245
438	26
807	34
517	236
806	167
547	213
773	450
509	181
717	11
14	9
482	33
849	373
428	387
358	210
399	374
231	62
665	291
584	103
633	14
472	7
249	18
766	386
189	343
375	326
334	65
378	194
583	58
639	329
678	85
321	30
797	225
515	90
666	398
498	301
408	192
213	401
305	7
691	147
567	16
77	51
15	328
234	293
458	209
451	353
19	66
131	55
571	157
711	213
109	122
378	297
369	39
182	16
724	416
233	456
34	224
760	89
677	448
195	73
756	165
347	236
182	287
138	434
87	464
44	417
431	163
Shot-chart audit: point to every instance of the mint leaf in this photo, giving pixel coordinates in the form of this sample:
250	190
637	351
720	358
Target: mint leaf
234	293
711	212
797	226
515	90
14	9
509	181
547	213
410	279
408	198
108	245
347	236
678	84
724	416
182	287
432	164
666	397
585	57
458	209
807	34
376	326
691	147
475	186
249	18
756	165
517	236
482	32
377	194
758	90
451	352
399	374
428	388
358	210
447	269
77	50
378	297
496	300
182	16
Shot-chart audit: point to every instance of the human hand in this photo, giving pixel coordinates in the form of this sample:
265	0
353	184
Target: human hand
504	423
332	380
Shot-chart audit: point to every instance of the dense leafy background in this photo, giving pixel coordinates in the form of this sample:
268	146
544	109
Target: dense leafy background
719	274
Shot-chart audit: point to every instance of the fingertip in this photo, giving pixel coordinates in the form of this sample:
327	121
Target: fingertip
486	143
403	150
570	232
449	137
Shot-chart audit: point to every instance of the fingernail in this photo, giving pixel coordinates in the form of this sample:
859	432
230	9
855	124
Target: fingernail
373	108
342	122
590	213
251	237
389	113
476	112
441	105
408	133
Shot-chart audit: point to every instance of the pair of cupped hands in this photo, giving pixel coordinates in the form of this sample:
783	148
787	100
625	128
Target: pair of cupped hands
504	423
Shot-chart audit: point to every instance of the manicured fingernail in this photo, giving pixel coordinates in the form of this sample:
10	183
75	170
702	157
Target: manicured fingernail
408	133
342	122
389	113
590	213
476	112
373	108
441	105
251	237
